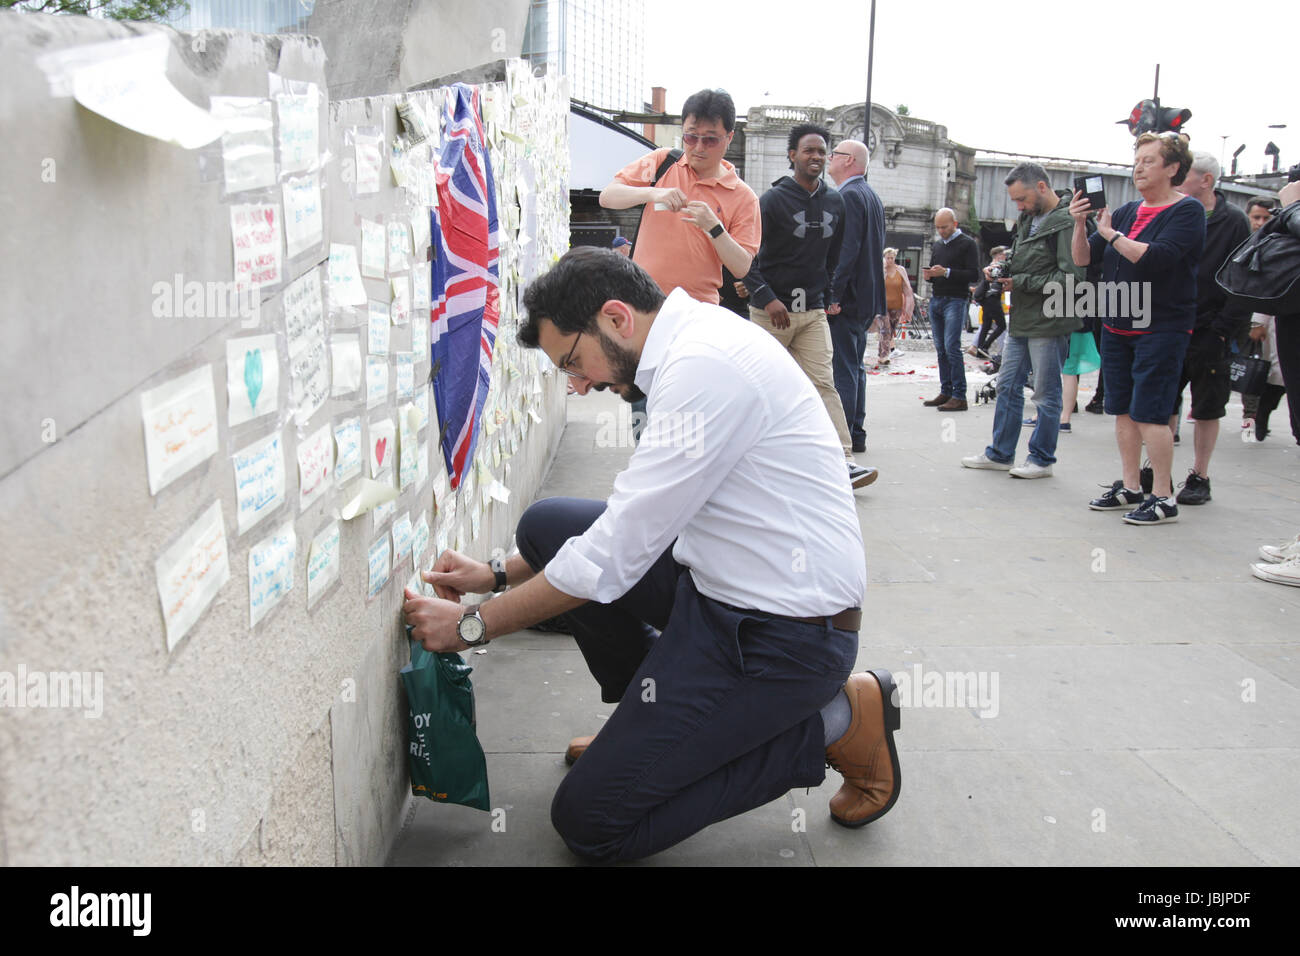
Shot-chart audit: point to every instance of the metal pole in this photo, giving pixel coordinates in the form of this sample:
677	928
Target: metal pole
871	53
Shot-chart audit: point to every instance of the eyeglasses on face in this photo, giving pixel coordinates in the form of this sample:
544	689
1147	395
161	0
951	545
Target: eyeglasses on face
836	152
710	142
564	362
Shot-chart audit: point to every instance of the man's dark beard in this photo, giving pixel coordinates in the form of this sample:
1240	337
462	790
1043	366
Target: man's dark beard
624	365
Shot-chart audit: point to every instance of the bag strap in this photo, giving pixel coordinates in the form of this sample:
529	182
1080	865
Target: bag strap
673	156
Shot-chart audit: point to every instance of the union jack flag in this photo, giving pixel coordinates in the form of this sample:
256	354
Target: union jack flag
466	283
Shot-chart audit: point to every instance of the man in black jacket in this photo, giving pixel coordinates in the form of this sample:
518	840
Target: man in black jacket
954	267
789	279
1218	322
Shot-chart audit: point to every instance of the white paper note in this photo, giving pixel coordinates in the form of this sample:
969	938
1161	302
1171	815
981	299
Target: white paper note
180	426
369	160
378	329
259	481
377	562
299	129
372	249
191	572
383	445
252	378
370	495
419	540
347	441
345	283
315	466
303	226
402	538
376	380
248	143
322	562
400	308
304	325
345	358
270	571
399	246
255	233
405	376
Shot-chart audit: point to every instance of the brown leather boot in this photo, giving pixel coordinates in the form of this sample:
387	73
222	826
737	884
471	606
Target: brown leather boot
866	755
953	405
577	747
938	400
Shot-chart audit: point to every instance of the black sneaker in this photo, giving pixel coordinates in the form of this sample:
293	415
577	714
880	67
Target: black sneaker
1117	499
1153	511
1195	490
1147	478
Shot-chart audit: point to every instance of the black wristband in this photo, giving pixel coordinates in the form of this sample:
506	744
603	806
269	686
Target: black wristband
499	574
716	231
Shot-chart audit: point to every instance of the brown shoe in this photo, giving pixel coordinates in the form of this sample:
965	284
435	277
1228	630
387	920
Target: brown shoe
865	755
953	405
938	400
577	747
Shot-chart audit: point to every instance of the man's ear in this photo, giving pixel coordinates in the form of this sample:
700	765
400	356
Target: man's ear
620	317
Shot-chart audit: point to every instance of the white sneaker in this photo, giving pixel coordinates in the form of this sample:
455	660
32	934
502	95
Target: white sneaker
1286	573
1283	552
983	461
1030	470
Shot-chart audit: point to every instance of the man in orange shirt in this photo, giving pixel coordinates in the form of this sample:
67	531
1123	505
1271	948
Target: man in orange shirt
701	216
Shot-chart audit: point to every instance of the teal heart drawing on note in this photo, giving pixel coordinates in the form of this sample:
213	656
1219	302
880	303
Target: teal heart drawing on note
253	375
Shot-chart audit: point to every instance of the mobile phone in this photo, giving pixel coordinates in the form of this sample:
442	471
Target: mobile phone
1094	188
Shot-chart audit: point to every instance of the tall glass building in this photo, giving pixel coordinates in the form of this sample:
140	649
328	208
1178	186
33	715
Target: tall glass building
255	16
598	44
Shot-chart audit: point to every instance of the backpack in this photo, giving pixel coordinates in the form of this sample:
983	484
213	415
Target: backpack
1264	271
672	157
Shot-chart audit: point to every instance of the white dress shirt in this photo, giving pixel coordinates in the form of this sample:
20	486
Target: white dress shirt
740	463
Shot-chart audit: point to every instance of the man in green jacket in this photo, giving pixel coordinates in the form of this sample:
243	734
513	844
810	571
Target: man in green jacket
1038	334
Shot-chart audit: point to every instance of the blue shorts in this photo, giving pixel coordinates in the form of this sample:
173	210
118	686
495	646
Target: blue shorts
1141	373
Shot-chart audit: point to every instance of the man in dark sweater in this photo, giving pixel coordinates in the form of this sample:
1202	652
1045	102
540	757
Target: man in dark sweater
789	279
954	268
1218	322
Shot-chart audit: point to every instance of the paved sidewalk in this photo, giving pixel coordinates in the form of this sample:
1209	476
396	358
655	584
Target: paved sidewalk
1142	689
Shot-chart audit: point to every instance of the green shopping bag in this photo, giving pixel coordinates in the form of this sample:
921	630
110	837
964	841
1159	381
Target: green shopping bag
446	759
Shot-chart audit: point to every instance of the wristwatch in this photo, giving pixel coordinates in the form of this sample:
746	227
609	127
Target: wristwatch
471	628
716	231
1118	235
498	566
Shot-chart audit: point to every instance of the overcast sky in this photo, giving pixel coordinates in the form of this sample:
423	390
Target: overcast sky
1049	79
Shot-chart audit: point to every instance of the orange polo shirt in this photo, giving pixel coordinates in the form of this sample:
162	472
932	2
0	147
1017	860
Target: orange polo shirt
676	252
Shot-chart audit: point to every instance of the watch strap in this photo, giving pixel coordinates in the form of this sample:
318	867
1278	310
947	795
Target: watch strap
716	231
472	612
499	573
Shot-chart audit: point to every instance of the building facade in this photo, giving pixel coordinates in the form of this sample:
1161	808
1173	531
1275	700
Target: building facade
599	46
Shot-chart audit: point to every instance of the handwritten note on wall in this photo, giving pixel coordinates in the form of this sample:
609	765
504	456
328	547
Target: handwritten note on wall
378	329
255	232
347	439
180	426
372	249
303	223
315	466
252	378
299	129
376	380
248	143
259	481
270	571
308	356
345	276
369	159
322	562
377	561
191	572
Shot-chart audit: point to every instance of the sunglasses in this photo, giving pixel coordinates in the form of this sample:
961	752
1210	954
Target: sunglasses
710	142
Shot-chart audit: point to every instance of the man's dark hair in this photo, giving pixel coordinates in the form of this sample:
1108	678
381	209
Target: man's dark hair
711	105
571	293
1264	201
1031	174
804	129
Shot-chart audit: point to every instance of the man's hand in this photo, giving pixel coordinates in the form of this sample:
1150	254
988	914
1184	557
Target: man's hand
698	212
776	311
833	309
454	575
741	290
1258	333
1005	284
933	272
1290	193
673	199
432	622
987	270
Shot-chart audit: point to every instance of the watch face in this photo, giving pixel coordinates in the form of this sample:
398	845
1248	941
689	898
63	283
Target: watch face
471	629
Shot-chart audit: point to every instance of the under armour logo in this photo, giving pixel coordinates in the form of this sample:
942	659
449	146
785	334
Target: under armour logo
826	225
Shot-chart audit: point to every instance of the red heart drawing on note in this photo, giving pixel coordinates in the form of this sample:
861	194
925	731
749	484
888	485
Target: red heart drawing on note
379	450
270	216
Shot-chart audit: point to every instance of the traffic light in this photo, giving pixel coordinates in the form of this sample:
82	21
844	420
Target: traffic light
1150	117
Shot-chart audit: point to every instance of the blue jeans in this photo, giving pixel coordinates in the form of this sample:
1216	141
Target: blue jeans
947	319
719	708
1045	356
849	340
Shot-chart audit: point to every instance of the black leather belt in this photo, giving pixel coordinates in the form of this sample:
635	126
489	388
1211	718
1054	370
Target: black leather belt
850	619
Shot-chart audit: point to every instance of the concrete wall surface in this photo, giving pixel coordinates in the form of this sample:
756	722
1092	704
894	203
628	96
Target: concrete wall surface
283	742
